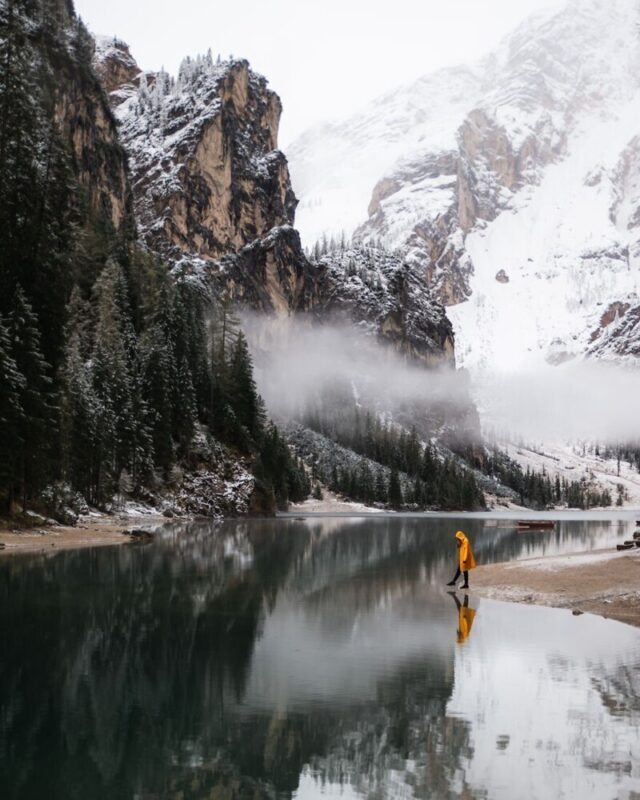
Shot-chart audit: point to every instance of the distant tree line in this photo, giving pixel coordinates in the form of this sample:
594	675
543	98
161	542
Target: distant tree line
433	481
330	245
538	489
628	453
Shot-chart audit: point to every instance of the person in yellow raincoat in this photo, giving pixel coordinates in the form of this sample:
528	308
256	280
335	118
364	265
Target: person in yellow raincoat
466	616
466	560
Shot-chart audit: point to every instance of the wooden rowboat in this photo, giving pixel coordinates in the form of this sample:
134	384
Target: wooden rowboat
536	524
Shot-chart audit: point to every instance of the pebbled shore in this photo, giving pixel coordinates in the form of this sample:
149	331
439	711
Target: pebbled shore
90	532
603	582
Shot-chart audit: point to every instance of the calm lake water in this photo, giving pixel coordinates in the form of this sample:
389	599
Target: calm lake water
309	659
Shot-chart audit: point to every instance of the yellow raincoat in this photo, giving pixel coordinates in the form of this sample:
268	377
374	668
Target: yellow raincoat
465	621
465	553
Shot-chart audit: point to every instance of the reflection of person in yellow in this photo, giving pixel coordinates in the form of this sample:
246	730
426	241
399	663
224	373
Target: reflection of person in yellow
466	561
466	616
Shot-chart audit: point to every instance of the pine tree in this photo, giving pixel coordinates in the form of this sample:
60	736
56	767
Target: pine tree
367	487
381	487
11	415
80	405
190	340
222	330
413	453
158	372
395	490
20	135
186	415
37	427
35	182
244	396
113	379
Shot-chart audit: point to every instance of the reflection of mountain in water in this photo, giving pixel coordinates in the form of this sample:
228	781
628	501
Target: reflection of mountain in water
552	704
232	661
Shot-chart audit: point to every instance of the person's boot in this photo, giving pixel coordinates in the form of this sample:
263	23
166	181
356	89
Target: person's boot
451	583
465	586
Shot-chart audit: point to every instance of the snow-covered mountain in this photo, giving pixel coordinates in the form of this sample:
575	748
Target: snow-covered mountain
212	194
514	182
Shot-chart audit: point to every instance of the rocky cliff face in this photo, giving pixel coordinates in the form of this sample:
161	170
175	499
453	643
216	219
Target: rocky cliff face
212	192
84	117
213	195
523	165
208	178
116	68
385	295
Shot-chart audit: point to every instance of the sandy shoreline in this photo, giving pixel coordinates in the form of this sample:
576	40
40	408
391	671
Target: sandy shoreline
603	582
90	532
332	504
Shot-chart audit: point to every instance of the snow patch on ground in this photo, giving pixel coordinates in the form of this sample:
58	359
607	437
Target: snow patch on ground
574	464
333	504
577	560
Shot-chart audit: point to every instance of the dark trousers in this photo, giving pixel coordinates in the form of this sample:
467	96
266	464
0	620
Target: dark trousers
465	573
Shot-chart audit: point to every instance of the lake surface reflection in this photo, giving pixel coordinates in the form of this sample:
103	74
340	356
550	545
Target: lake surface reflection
285	658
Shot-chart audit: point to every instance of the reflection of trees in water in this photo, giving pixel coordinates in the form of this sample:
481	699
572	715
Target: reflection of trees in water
129	652
619	690
121	669
504	542
403	745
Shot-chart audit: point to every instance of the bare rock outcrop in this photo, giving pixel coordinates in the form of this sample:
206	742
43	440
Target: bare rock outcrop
115	67
386	296
212	192
461	189
207	176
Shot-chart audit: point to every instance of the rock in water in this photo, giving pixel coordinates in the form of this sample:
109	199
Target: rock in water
141	535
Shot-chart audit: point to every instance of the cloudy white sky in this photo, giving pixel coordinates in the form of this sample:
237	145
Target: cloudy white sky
325	58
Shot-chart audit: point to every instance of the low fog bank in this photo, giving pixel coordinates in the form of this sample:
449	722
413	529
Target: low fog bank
579	402
298	364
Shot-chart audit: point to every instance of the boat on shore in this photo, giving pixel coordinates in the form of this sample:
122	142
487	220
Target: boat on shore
536	524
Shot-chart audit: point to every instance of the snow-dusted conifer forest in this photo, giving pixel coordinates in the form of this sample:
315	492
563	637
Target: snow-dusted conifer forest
148	219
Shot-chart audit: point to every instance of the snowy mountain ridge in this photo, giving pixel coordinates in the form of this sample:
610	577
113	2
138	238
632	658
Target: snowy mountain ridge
175	131
514	182
212	194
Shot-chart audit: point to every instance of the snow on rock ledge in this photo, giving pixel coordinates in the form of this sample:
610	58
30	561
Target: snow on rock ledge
207	177
387	297
525	162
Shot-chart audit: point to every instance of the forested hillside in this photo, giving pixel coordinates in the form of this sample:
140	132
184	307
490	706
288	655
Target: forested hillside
134	226
114	375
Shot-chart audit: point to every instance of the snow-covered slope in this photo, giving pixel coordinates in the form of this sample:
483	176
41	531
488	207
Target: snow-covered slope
515	183
568	259
336	166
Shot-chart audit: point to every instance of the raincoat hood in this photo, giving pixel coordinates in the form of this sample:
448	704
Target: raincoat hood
465	553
